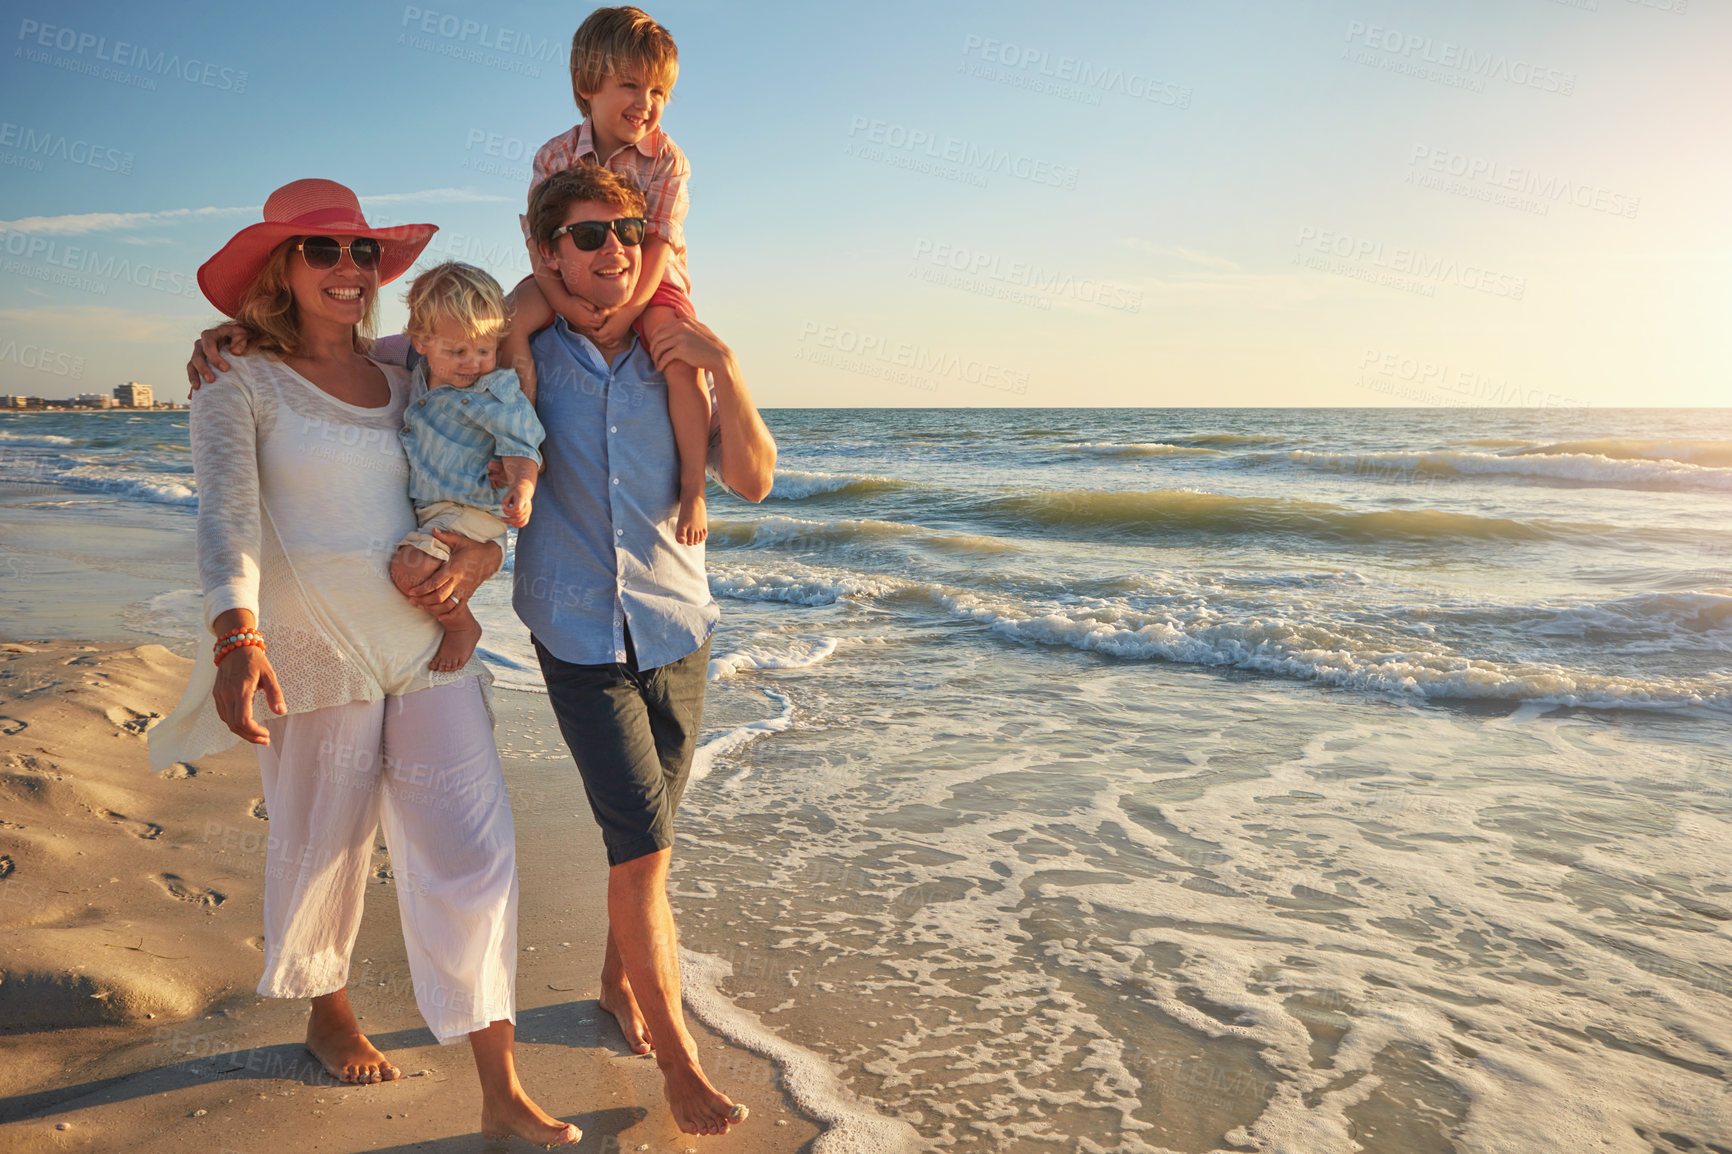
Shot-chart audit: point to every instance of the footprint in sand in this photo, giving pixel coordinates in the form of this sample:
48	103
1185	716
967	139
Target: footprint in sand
148	830
259	809
178	771
182	890
7	865
11	725
130	720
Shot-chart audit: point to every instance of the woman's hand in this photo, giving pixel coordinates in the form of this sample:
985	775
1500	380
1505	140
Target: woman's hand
207	352
242	673
451	585
691	341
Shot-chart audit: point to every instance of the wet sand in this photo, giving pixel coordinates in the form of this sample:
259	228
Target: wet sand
130	914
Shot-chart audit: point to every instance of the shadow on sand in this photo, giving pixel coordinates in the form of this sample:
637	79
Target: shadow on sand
554	1025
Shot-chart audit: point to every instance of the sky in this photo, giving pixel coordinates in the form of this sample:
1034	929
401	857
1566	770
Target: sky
1232	203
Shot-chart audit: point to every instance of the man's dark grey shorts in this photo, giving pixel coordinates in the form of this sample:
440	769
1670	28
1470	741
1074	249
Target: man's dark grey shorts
632	733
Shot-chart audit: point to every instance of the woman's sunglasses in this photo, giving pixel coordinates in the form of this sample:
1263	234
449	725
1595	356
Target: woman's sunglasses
322	252
589	235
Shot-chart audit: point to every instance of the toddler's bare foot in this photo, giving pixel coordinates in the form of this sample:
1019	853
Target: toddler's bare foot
694	524
518	1117
335	1039
698	1107
619	1001
462	634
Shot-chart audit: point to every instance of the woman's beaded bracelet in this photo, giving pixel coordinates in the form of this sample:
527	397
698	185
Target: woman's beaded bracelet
238	633
243	641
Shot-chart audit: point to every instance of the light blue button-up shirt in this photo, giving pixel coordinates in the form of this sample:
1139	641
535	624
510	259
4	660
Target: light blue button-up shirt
599	554
450	434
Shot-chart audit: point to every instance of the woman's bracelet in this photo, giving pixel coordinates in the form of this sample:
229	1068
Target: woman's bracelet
240	639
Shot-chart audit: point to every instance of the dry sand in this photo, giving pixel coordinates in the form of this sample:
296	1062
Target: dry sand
130	909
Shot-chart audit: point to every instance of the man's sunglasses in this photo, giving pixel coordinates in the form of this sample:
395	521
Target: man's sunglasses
322	252
589	235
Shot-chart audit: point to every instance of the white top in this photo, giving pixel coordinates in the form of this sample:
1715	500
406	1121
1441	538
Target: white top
302	501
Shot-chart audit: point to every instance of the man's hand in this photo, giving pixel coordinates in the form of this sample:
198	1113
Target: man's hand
615	327
207	353
451	585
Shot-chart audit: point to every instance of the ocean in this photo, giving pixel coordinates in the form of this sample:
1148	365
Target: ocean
1138	780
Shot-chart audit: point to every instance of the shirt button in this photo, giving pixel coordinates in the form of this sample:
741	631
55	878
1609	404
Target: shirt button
616	480
610	428
422	401
619	532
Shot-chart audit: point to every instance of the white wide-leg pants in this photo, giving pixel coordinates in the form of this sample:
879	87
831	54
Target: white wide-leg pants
425	764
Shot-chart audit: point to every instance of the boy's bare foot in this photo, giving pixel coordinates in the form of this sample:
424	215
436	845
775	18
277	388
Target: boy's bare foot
334	1037
697	1106
694	524
518	1117
618	1000
462	634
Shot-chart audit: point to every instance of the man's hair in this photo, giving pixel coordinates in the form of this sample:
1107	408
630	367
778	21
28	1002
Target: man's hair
549	200
613	41
267	309
459	292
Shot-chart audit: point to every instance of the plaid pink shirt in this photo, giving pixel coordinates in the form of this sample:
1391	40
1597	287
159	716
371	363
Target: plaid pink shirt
655	164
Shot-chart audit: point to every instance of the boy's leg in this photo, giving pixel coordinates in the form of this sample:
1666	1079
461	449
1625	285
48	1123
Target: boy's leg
411	565
689	411
530	313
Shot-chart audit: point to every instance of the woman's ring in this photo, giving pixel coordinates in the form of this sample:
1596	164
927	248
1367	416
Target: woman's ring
451	600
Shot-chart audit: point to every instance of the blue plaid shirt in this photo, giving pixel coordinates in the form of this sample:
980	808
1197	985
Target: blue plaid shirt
599	554
450	434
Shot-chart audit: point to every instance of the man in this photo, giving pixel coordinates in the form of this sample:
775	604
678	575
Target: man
620	612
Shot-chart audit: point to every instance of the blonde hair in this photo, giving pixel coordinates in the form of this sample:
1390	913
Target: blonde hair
269	314
460	292
612	41
581	182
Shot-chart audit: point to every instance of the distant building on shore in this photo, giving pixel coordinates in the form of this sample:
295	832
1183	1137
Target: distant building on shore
96	401
133	395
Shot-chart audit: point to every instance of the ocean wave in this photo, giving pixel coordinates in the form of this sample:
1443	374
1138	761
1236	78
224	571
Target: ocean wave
1312	652
1141	449
1717	454
1646	619
771	532
138	486
37	441
798	586
770	657
1578	467
1228	440
704	760
1165	511
1304	639
797	485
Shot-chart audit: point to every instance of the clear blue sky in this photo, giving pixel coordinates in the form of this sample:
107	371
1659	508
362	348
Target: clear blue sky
1225	203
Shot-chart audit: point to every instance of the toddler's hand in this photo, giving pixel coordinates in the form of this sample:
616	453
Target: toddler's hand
517	505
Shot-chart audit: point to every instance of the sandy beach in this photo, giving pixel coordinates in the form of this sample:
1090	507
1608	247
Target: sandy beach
131	910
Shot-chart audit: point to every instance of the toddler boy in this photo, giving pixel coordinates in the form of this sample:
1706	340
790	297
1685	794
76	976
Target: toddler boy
461	414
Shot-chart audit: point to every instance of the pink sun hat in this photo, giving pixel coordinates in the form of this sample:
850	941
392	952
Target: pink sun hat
304	208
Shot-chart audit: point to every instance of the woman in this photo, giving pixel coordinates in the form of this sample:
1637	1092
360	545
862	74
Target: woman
303	496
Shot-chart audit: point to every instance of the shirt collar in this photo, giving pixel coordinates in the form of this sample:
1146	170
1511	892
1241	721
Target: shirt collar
587	349
649	145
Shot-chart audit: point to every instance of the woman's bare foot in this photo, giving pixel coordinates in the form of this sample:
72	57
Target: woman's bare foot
335	1039
518	1117
617	999
462	635
697	1106
694	524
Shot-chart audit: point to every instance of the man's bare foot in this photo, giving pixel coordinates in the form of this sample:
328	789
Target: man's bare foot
518	1117
694	525
697	1106
619	1001
335	1039
462	635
